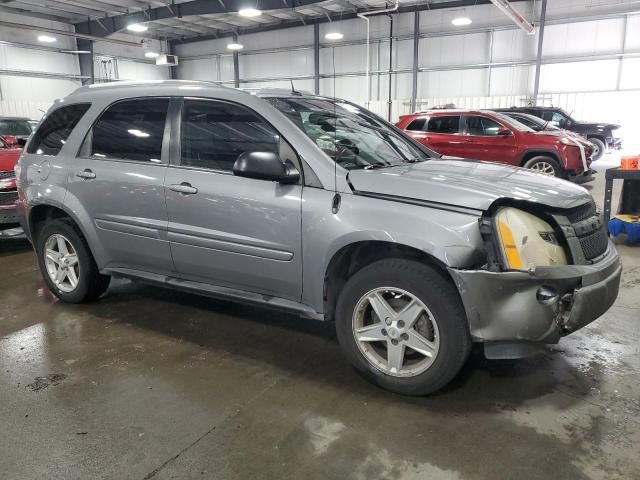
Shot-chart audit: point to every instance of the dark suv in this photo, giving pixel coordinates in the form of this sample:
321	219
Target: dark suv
600	134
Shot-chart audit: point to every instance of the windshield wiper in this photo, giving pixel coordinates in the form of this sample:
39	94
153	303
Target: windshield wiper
415	160
376	166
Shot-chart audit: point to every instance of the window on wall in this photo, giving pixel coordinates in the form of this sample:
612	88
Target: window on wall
213	134
131	130
56	128
482	126
445	124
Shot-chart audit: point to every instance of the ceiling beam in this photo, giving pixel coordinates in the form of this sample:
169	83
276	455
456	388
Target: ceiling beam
332	17
194	7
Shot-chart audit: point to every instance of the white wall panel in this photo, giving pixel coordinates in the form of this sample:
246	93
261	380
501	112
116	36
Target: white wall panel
583	38
260	41
633	33
14	58
300	85
131	70
630	74
278	64
454	50
579	76
513	45
459	83
31	97
512	80
351	58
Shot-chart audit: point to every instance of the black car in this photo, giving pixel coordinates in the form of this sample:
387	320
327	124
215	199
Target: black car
602	135
18	127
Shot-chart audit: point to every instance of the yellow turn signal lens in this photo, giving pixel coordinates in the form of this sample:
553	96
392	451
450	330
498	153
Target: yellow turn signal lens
509	247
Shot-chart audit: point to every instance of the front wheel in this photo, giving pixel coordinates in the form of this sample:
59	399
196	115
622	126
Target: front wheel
67	265
545	165
402	325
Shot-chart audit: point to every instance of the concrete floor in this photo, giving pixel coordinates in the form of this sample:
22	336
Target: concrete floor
148	383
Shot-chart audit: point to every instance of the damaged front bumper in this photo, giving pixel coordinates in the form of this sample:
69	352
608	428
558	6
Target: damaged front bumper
513	312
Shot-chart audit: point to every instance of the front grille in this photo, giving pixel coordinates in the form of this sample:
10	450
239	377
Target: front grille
589	230
8	198
594	244
7	174
582	212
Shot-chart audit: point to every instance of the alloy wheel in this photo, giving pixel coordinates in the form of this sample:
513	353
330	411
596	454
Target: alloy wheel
543	167
61	261
395	332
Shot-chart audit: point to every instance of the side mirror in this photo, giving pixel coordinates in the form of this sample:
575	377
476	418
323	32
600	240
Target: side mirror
265	166
504	132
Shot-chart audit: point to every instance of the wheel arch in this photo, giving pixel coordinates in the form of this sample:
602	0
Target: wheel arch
39	214
351	258
529	154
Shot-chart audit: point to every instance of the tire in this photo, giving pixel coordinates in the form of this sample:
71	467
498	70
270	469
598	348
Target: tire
545	165
90	284
599	149
444	309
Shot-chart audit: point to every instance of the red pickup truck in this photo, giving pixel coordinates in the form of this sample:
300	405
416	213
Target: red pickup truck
10	152
495	137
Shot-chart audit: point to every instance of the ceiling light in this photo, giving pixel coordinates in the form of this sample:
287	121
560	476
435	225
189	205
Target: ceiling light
461	21
137	27
334	36
235	46
249	12
46	39
151	54
76	51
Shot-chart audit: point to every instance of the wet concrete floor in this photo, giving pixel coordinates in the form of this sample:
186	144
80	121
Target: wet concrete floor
154	384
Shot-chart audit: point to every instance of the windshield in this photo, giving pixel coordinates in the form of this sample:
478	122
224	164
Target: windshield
348	134
513	122
15	127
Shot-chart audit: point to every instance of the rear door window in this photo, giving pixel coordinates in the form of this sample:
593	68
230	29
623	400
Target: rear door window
131	130
482	126
56	128
417	125
444	124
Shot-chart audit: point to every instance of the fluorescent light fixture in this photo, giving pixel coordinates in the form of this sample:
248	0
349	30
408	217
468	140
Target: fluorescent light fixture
137	27
76	51
249	12
235	46
151	54
46	39
461	21
334	36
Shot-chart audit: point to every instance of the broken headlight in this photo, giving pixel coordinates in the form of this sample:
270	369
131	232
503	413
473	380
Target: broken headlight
526	241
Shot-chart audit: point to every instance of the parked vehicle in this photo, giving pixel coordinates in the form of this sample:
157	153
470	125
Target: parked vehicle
9	154
603	135
17	127
316	206
490	136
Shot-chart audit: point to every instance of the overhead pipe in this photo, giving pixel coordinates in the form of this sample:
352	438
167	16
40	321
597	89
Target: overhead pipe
505	7
365	17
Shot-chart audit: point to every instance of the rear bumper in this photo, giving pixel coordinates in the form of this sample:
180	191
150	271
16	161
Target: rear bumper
508	306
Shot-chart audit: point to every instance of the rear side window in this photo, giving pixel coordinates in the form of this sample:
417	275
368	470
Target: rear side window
56	128
213	134
447	124
482	126
417	124
131	130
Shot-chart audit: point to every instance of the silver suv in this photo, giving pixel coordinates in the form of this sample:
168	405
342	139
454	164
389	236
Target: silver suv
316	206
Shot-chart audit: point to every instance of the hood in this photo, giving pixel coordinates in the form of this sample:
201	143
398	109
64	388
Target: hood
596	125
468	184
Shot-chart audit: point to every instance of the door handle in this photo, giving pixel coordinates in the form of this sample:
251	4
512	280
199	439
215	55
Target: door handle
183	187
87	174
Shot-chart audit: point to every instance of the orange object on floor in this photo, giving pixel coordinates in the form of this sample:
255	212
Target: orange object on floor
631	162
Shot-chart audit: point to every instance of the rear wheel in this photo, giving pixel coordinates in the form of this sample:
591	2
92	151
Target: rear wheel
545	165
598	149
67	265
402	325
